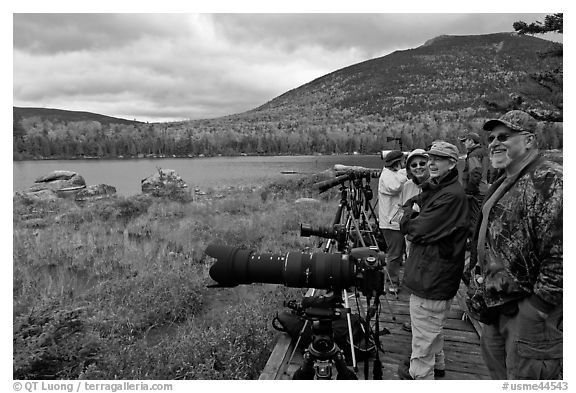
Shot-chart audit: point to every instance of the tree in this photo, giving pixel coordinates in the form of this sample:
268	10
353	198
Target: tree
18	133
550	81
552	23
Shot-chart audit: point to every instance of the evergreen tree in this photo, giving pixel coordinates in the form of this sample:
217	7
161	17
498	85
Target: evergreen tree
552	23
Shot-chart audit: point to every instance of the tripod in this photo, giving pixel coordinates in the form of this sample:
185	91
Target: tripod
322	353
352	232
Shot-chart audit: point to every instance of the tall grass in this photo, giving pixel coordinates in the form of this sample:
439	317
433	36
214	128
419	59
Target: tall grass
117	289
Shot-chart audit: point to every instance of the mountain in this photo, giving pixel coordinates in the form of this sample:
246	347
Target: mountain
60	115
447	73
402	100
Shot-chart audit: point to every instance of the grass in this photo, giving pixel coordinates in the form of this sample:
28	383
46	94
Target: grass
117	289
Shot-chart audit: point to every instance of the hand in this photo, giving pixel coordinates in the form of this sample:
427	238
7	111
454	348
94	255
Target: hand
528	310
411	202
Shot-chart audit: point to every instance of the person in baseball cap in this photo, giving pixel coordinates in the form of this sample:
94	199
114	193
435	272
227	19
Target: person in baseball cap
444	149
436	222
503	143
518	258
474	137
477	174
442	158
390	183
392	158
516	121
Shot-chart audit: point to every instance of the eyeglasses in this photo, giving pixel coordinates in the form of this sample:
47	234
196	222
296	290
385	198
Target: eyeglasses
417	164
505	137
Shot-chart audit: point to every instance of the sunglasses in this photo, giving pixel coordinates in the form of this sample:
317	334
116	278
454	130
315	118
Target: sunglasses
417	164
505	137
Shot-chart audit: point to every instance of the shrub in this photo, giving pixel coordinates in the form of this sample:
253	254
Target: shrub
133	304
117	288
53	343
131	207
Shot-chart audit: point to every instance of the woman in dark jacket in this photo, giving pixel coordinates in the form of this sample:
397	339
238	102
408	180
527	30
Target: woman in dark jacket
436	261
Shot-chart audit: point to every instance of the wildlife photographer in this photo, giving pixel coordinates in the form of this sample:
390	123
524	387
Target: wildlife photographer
517	278
437	229
476	174
392	178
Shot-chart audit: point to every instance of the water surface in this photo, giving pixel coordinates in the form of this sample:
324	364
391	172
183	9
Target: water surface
214	172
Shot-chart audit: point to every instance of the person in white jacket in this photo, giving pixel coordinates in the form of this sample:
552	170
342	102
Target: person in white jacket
390	186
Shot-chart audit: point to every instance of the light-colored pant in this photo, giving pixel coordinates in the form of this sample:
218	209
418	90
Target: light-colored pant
427	318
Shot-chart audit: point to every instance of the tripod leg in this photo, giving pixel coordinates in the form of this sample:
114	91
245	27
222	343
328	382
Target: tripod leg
390	307
351	338
387	277
306	371
343	371
377	369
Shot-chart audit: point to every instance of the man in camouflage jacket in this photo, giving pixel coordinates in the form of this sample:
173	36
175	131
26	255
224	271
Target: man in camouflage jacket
518	256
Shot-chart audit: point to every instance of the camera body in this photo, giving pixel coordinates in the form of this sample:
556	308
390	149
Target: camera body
370	263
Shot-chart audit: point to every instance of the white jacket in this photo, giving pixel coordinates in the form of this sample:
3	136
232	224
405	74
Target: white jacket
389	189
409	190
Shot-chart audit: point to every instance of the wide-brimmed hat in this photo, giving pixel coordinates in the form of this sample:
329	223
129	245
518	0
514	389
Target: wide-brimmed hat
443	149
393	157
416	153
515	120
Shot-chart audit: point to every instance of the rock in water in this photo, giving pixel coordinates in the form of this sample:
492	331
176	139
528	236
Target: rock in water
59	183
165	183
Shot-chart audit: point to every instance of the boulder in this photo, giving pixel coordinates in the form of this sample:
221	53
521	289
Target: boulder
61	175
164	183
64	183
40	195
56	184
95	192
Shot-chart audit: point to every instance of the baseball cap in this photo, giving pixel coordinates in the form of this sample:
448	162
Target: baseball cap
470	135
392	157
515	120
443	149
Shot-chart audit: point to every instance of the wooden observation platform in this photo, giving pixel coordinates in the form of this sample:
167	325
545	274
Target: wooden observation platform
461	344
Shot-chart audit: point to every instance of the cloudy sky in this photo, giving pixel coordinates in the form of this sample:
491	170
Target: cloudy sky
176	66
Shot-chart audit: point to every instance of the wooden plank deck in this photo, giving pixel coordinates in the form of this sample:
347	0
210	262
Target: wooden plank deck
461	346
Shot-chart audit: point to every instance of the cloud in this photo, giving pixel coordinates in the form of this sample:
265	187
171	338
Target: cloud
369	34
55	33
162	67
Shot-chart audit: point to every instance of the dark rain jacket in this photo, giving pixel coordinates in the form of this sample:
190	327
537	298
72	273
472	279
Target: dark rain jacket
476	172
438	234
523	241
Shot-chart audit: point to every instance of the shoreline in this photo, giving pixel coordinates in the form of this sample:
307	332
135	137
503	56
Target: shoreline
156	157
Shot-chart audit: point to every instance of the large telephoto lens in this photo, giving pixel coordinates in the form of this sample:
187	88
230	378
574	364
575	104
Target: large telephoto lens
236	266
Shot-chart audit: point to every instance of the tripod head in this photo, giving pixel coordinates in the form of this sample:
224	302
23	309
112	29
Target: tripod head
318	308
322	352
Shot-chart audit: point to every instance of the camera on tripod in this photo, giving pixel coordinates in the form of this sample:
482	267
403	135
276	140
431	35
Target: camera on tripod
337	232
352	258
360	268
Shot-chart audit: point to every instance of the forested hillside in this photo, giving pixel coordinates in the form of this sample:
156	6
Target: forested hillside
437	90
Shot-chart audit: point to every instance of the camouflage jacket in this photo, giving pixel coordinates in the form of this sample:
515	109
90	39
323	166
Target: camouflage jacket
523	246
